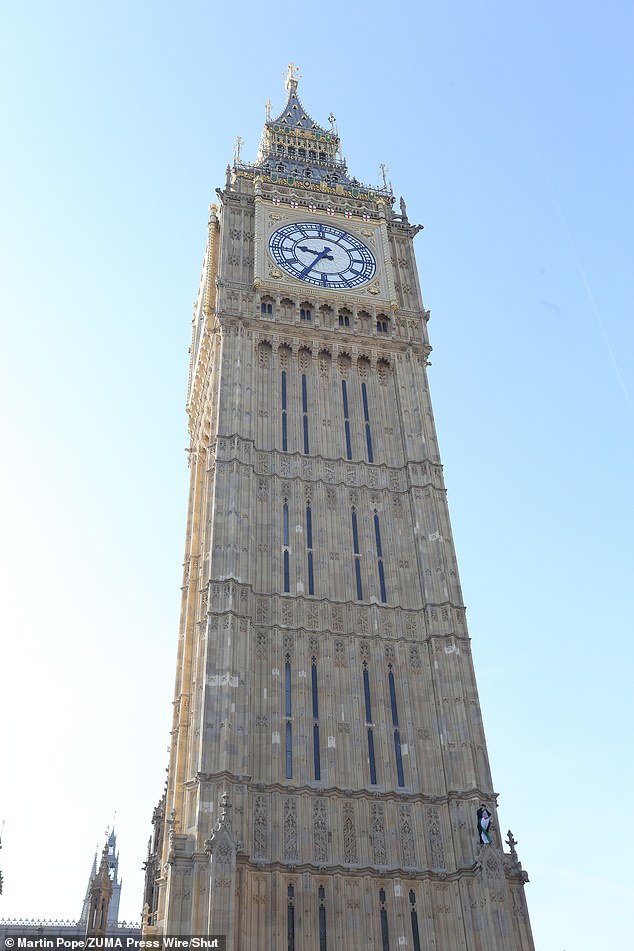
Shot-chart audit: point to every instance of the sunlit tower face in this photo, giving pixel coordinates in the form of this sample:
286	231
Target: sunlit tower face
328	757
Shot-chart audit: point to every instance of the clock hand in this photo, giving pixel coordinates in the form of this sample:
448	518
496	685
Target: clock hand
322	254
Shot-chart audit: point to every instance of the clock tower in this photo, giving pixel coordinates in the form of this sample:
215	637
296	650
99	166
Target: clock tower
328	784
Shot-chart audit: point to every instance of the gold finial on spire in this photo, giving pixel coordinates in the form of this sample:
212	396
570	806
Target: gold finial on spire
293	77
236	151
268	110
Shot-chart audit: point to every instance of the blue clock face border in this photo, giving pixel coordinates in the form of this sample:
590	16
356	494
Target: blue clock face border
322	255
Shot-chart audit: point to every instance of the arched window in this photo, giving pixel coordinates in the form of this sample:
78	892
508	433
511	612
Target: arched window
315	698
357	555
368	722
285	549
398	755
414	921
385	935
322	918
309	548
290	918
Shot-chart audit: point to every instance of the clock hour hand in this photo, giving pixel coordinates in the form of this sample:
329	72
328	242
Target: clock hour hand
325	254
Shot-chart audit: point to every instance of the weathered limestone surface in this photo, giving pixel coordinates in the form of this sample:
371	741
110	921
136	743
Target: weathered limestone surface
328	755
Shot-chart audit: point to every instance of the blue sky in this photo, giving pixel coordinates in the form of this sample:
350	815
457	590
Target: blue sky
507	128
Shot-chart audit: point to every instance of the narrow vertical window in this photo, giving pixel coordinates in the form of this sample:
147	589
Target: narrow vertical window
371	756
290	918
399	758
289	750
414	920
346	419
313	681
284	429
286	555
322	919
368	720
357	555
316	755
305	412
385	935
288	711
309	549
305	313
392	686
315	699
288	699
366	417
366	694
398	754
379	557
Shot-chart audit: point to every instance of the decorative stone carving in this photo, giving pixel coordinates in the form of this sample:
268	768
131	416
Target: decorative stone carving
377	833
436	849
284	357
264	355
290	829
406	836
261	642
304	359
350	853
320	832
324	361
260	827
337	618
261	611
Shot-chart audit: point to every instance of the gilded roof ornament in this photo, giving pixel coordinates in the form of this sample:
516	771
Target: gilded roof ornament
293	78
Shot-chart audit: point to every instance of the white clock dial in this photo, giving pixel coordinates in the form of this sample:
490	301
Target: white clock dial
322	255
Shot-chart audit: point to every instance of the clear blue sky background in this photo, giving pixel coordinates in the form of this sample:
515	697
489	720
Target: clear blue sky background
507	127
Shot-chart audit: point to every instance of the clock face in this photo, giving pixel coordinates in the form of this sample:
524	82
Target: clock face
322	255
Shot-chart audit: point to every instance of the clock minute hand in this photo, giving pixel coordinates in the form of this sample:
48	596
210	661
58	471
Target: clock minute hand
325	254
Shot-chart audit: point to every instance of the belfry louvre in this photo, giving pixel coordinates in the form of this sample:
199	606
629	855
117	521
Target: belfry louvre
328	785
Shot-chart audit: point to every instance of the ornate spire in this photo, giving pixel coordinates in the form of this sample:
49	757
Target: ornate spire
292	79
99	897
297	151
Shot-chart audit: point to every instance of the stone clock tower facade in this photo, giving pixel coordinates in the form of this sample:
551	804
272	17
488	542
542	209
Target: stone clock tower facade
328	759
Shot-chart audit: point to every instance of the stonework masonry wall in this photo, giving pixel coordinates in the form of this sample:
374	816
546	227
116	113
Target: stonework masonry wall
328	755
